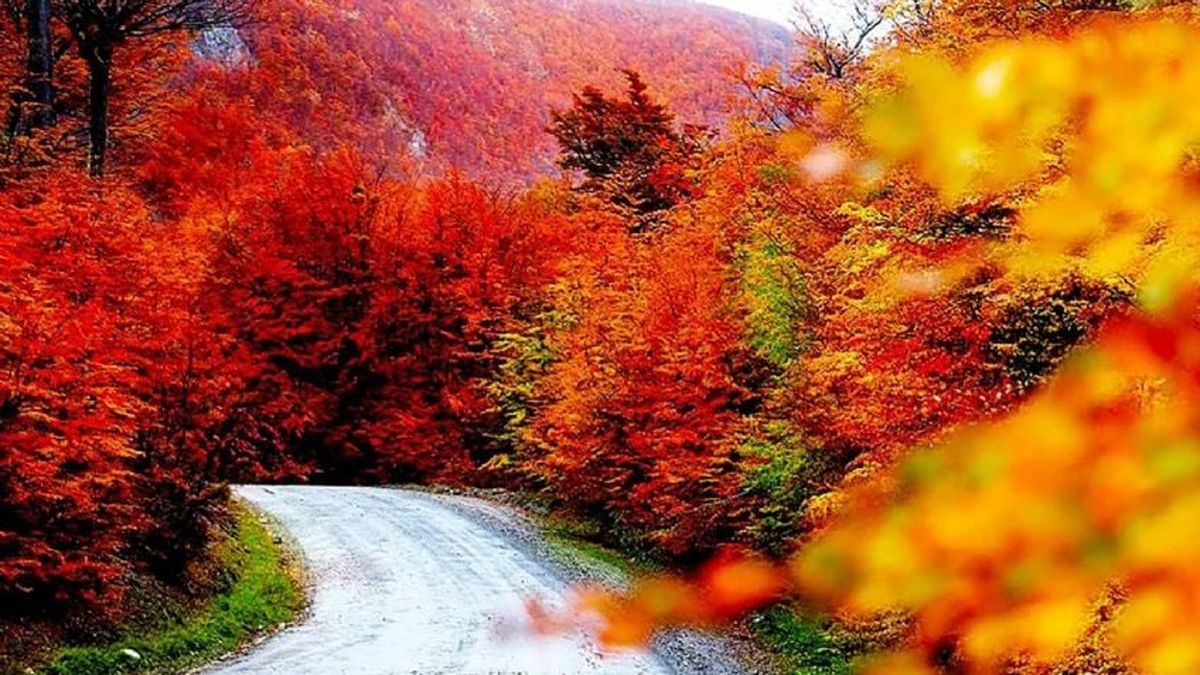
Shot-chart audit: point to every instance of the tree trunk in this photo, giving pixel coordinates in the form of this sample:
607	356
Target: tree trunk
40	63
99	61
33	104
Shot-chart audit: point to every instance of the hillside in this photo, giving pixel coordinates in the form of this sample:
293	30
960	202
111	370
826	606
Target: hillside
470	83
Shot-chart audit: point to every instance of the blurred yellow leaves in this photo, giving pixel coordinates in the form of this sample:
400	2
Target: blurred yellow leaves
1005	537
1003	540
1094	136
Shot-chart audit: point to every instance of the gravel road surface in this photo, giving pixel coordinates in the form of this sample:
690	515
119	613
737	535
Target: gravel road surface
412	582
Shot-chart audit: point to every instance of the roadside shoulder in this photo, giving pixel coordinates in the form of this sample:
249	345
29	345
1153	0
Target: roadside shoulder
265	595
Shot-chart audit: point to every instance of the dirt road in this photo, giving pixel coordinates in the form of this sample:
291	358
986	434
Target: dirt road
409	582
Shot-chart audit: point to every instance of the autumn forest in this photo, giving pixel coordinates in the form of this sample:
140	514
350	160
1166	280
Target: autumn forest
888	323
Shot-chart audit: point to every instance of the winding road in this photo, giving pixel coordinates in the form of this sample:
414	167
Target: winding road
409	582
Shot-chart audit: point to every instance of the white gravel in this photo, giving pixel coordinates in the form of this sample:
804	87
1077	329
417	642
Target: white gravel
410	582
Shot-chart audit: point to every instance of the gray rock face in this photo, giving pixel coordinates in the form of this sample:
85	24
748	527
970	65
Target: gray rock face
223	45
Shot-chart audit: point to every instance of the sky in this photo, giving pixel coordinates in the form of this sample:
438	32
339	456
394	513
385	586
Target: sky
782	11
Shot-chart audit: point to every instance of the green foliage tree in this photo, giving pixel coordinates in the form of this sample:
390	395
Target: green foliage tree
629	150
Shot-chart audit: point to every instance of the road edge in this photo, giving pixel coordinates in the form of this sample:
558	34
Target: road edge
690	652
294	566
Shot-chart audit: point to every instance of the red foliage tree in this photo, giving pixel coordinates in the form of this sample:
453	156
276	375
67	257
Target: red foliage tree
96	479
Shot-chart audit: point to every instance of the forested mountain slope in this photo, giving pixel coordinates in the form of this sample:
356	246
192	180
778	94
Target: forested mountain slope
469	83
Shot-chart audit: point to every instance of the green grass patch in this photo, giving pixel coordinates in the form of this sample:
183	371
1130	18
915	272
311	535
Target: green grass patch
591	551
802	642
264	595
576	539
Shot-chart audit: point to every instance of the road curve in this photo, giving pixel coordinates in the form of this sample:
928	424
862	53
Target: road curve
408	582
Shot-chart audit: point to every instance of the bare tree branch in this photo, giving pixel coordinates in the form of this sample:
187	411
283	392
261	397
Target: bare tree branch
100	26
834	51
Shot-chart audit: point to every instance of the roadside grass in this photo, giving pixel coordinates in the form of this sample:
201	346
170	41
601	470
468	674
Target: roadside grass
579	540
265	594
800	644
803	643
